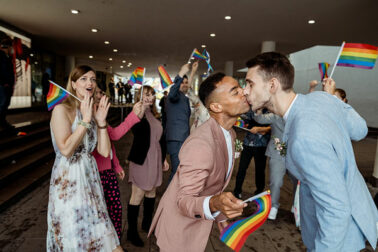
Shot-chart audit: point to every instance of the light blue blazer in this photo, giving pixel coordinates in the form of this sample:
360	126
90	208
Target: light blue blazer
337	210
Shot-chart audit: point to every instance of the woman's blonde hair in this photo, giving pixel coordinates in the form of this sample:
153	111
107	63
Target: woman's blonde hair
75	74
148	89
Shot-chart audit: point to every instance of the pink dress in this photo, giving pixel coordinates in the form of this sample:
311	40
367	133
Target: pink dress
149	175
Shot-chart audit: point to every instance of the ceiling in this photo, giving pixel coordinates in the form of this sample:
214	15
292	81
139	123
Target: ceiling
154	32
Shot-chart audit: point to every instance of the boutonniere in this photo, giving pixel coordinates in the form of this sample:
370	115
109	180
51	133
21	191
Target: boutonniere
238	148
279	146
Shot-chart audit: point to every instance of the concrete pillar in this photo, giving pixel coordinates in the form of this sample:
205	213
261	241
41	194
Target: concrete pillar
69	65
268	46
229	68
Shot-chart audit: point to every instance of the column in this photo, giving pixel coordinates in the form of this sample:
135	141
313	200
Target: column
268	46
69	65
229	68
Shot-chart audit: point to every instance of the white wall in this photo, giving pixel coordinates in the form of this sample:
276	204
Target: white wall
361	85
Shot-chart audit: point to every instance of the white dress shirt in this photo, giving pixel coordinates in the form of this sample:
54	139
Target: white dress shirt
288	110
206	206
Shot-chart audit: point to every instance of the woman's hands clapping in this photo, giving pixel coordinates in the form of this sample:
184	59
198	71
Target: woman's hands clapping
101	111
86	108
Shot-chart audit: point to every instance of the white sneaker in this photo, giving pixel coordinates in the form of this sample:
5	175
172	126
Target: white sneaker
273	213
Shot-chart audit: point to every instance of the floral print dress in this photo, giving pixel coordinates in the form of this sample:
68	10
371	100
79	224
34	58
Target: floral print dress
77	216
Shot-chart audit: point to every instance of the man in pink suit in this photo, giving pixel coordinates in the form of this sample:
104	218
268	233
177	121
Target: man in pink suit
195	197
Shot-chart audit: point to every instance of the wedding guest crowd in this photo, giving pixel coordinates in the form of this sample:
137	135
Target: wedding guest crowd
85	210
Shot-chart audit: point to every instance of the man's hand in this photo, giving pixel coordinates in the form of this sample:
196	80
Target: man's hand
195	67
254	130
329	85
184	70
226	203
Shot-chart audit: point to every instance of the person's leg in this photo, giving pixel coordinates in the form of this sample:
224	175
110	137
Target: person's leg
112	198
277	172
132	216
245	159
148	209
173	148
260	162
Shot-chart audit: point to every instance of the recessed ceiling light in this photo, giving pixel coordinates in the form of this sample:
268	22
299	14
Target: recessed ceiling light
203	46
311	21
110	59
31	55
123	61
115	50
204	73
90	56
121	66
212	35
106	42
128	65
94	30
75	12
227	17
36	63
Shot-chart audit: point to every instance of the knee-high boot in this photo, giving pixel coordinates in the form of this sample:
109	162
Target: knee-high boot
148	210
132	231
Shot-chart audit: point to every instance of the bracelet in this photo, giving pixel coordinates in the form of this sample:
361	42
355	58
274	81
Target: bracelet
86	125
102	127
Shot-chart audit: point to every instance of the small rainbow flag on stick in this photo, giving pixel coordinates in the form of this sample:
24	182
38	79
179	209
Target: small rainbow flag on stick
137	76
323	68
164	77
356	55
196	54
56	95
241	124
237	232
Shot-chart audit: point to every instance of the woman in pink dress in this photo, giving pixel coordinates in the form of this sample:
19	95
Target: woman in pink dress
147	159
109	167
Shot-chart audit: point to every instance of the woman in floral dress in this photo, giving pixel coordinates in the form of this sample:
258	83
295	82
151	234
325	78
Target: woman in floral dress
77	216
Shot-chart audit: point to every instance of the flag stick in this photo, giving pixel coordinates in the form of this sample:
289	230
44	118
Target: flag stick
141	93
337	59
191	55
64	90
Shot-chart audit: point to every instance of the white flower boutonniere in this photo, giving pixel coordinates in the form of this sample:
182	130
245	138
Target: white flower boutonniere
279	146
238	148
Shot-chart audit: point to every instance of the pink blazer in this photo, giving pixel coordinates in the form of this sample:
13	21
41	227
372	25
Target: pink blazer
179	221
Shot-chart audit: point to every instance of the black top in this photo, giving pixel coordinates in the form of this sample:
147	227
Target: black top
141	143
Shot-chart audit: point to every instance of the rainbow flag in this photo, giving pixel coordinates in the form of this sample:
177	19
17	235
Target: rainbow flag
240	123
164	77
358	55
237	232
137	76
323	68
198	55
55	96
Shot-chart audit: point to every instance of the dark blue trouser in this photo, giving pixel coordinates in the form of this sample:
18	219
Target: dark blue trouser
173	149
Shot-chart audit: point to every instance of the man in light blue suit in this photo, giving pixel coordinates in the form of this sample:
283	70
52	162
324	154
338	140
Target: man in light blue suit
337	210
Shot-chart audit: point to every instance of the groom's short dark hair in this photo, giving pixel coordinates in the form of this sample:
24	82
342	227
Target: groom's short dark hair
274	65
208	86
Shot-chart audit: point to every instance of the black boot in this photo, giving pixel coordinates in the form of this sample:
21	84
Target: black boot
132	231
148	209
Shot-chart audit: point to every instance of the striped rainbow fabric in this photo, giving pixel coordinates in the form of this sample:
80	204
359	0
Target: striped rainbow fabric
55	96
358	55
323	68
240	123
137	76
198	55
164	77
236	233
